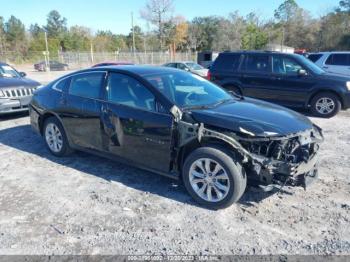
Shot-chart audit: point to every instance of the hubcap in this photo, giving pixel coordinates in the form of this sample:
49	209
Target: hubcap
209	180
325	105
53	138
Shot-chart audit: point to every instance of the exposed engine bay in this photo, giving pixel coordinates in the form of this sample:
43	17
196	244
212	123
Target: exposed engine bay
275	160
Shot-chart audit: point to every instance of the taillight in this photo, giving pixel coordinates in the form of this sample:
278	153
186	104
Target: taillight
209	75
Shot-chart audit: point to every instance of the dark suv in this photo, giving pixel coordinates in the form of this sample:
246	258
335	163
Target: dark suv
287	79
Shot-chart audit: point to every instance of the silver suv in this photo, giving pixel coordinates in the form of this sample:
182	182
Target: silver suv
332	62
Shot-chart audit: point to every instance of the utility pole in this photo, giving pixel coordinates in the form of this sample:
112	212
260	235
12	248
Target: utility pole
133	36
91	52
47	60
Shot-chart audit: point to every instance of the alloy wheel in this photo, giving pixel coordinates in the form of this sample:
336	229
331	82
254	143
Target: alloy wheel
325	105
53	138
209	180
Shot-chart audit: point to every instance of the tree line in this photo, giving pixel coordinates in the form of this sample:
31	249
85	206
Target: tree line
291	26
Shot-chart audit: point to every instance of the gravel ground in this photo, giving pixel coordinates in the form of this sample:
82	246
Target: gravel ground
84	204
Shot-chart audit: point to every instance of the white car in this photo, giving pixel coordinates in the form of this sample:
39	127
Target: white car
332	62
190	67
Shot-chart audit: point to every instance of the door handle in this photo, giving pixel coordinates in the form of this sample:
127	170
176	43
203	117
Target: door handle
104	109
277	78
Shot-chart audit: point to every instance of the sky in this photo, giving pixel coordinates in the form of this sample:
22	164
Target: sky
115	15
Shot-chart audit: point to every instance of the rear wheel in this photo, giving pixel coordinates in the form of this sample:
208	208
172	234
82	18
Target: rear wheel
213	178
234	89
55	137
325	105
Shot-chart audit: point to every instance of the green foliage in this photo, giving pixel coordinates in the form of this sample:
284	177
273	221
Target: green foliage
254	38
286	11
56	25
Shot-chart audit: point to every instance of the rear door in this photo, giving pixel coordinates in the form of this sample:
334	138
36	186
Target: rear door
256	76
82	109
133	126
338	63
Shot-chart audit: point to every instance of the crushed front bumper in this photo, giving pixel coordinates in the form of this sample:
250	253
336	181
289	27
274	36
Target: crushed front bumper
301	174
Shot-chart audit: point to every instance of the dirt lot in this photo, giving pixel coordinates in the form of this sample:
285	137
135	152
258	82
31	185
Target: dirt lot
88	205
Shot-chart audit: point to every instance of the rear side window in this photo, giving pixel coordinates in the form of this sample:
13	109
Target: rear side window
60	85
314	57
227	62
339	60
257	63
87	85
171	65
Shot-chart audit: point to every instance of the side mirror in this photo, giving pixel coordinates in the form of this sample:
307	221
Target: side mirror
187	69
22	74
302	72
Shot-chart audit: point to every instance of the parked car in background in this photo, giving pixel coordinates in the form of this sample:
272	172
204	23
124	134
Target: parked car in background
53	65
15	90
180	125
111	63
332	62
190	67
286	79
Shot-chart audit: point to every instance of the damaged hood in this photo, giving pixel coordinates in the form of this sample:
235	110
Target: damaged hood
253	117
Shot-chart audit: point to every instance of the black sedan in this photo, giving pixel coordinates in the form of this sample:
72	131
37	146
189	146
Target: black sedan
180	125
15	90
52	65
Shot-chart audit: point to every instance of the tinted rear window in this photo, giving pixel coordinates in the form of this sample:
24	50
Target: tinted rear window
257	63
227	62
338	59
87	85
314	57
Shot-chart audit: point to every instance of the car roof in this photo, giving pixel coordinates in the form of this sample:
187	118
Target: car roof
142	70
331	52
255	52
184	62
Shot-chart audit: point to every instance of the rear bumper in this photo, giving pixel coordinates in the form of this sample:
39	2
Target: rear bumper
14	105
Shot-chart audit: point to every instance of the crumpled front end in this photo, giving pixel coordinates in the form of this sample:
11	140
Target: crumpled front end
291	160
268	161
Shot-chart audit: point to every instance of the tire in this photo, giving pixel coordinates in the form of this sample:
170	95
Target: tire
330	102
235	180
57	144
234	89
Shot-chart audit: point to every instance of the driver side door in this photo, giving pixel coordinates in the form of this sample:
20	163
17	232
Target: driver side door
288	87
134	128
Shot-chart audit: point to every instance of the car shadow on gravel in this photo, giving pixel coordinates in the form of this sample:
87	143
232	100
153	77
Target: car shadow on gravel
11	116
25	139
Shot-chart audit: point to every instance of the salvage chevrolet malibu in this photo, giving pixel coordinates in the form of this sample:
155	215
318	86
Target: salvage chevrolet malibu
180	125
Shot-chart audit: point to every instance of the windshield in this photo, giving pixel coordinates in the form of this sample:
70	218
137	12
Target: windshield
8	71
188	90
310	65
194	66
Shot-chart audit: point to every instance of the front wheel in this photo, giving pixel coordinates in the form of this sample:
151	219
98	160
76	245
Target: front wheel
325	105
213	178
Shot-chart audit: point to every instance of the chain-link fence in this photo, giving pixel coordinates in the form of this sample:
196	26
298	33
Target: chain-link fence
77	60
